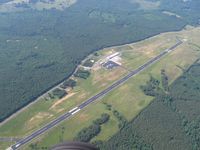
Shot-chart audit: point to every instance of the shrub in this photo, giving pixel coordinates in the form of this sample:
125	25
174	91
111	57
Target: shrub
82	74
59	93
69	83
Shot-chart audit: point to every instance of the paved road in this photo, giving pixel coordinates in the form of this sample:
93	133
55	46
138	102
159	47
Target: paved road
69	114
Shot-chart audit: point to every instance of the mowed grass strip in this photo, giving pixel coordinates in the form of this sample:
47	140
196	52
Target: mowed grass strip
5	145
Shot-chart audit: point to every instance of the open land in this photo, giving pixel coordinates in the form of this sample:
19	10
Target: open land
129	104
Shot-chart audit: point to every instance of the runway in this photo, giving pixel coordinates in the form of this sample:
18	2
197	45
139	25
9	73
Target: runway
96	97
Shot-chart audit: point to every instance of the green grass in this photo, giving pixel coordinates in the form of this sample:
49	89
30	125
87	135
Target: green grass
9	128
76	123
145	50
128	99
108	129
5	145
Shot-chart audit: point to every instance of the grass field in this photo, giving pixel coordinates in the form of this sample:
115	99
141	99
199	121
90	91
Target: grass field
4	145
128	99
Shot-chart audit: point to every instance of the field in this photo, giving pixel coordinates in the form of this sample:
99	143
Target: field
4	145
39	49
163	126
128	105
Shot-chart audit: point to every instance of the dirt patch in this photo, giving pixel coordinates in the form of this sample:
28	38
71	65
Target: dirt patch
149	50
114	74
37	119
109	75
58	102
124	88
83	95
59	110
83	117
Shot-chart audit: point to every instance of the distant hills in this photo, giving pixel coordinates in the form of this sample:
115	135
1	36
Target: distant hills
21	5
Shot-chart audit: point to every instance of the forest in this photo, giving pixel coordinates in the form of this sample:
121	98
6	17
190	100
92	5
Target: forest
40	49
86	134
